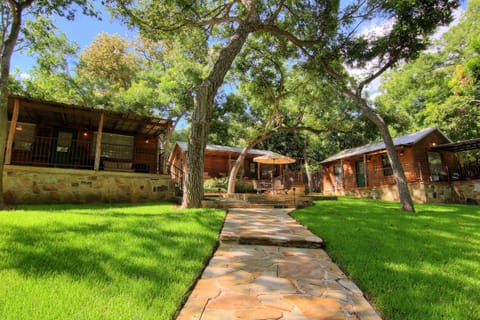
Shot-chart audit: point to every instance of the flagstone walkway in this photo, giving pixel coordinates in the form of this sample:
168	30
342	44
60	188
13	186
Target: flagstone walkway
268	266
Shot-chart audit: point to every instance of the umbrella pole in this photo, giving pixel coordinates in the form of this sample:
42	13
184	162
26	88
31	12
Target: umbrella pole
271	178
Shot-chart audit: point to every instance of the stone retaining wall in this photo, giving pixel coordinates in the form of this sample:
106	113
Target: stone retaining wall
24	184
423	192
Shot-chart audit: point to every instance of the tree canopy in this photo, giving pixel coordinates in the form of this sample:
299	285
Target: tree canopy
295	63
440	87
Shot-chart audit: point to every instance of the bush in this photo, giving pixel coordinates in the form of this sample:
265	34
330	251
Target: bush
221	185
216	184
243	187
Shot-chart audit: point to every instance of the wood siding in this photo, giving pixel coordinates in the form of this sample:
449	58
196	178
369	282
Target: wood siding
414	160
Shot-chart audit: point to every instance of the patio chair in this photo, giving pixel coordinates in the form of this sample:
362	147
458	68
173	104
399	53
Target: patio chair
278	186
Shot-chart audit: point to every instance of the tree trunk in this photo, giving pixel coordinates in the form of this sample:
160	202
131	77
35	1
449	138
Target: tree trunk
241	159
307	167
202	113
5	58
398	173
236	167
3	137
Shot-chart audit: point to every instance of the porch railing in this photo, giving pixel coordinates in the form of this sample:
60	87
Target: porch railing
466	171
80	154
177	174
424	173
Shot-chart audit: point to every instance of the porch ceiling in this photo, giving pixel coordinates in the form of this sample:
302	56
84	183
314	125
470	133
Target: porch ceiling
473	144
58	114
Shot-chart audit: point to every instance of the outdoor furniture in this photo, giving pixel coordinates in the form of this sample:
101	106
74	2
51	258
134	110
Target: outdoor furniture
274	159
261	185
278	186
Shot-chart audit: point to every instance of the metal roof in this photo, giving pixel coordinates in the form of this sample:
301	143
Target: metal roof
217	148
408	139
36	111
472	144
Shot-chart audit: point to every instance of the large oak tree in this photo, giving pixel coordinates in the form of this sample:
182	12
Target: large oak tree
328	31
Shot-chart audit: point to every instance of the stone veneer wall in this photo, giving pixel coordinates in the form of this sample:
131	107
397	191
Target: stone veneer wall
466	191
24	184
425	192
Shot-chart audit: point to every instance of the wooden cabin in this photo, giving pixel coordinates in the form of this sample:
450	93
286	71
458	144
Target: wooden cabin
58	140
428	160
219	160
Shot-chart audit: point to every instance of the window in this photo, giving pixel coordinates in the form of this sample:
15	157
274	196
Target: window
24	136
338	172
435	162
387	167
64	141
115	146
253	170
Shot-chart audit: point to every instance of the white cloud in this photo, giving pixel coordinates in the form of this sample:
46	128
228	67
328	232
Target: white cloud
457	14
24	76
378	28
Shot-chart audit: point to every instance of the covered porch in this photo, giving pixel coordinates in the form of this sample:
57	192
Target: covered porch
259	177
49	134
467	159
58	153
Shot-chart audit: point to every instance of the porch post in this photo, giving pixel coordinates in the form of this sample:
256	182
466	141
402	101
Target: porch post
11	132
98	147
365	169
158	153
343	174
164	169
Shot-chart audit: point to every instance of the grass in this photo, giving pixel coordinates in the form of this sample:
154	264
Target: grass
413	266
101	261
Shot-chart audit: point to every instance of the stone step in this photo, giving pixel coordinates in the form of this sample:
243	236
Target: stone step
256	201
313	243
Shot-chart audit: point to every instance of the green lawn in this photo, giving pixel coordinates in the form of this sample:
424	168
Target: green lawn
101	261
413	266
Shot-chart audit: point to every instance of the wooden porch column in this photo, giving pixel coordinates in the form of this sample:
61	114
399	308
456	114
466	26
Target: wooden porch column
258	171
343	174
365	169
98	147
11	132
157	153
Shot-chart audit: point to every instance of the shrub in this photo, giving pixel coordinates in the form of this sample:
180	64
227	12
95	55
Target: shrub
216	184
243	187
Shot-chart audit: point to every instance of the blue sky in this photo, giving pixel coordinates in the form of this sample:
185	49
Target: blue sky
82	30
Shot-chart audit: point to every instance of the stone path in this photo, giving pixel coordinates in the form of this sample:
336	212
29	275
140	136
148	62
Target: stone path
268	266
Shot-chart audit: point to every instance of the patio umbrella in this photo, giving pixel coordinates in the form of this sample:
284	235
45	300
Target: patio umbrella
273	158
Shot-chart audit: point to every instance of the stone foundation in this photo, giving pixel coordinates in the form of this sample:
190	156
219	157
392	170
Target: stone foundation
467	192
24	184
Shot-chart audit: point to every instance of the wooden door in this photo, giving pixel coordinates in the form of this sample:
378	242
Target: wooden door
63	146
360	172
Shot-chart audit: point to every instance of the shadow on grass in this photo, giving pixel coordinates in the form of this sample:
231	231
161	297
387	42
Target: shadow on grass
164	251
88	206
414	266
